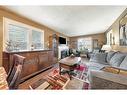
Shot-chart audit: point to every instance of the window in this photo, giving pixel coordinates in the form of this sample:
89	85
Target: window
37	39
85	43
110	36
18	35
23	36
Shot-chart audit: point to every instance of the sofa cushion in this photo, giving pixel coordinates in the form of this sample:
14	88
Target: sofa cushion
123	65
99	58
110	55
95	66
117	59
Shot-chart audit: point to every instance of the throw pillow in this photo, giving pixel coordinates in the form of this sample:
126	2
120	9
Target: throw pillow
117	59
123	65
110	55
99	58
74	51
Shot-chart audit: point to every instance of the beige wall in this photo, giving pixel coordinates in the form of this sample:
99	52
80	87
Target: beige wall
8	14
1	39
115	29
100	37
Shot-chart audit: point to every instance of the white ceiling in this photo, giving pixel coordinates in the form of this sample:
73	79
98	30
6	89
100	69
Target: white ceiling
72	20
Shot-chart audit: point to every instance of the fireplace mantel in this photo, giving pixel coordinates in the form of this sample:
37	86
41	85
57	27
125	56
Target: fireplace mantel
62	48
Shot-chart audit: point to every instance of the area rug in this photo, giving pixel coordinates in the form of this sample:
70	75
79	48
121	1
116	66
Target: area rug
55	81
79	79
76	84
81	72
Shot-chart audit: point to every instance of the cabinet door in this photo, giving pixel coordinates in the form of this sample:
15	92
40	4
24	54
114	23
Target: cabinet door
30	65
51	57
43	60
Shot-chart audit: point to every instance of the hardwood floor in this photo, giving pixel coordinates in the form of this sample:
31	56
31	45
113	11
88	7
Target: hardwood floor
25	85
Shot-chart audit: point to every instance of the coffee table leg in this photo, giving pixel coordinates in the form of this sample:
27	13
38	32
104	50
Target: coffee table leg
59	69
70	76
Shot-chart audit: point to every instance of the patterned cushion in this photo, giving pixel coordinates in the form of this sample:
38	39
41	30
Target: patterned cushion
117	59
123	72
111	70
110	55
99	58
123	65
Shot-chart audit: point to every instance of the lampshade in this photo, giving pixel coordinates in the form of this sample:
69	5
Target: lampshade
106	48
116	47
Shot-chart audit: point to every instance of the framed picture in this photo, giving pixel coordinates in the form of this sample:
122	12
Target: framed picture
123	31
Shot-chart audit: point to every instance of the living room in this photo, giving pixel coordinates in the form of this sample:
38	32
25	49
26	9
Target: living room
37	41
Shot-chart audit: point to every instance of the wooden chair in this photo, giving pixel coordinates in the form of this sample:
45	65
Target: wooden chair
14	75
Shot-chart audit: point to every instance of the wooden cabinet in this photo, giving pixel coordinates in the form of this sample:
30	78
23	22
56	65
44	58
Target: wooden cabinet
35	62
43	60
50	58
30	65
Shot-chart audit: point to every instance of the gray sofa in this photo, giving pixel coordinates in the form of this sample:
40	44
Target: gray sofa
105	80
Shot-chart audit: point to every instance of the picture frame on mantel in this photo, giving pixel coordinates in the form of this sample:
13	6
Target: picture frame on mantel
123	31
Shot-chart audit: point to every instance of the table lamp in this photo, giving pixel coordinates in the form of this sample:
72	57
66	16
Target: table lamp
106	48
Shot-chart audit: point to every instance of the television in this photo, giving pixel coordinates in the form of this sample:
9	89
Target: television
62	40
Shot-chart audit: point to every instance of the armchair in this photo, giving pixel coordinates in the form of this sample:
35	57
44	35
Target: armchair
75	52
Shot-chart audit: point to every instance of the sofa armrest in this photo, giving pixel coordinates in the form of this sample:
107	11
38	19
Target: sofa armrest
100	79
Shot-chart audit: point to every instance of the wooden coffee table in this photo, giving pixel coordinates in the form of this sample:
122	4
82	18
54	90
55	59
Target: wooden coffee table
68	63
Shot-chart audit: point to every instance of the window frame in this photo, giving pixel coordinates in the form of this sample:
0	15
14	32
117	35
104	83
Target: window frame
8	21
42	38
86	45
